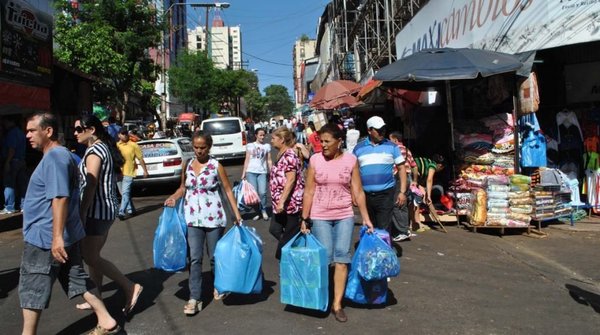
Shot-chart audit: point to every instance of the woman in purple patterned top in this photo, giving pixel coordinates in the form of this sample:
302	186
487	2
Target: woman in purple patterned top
287	188
204	212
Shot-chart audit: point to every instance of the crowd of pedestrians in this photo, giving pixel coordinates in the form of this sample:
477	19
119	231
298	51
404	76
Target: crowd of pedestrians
69	207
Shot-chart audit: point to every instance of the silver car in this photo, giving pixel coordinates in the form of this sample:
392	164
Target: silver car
165	159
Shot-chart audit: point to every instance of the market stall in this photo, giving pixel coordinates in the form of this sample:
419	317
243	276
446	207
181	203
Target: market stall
484	131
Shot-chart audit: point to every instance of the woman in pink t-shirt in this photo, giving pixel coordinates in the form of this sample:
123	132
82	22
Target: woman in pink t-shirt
332	178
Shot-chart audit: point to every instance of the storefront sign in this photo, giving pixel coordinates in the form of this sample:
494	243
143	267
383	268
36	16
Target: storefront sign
25	42
510	26
580	85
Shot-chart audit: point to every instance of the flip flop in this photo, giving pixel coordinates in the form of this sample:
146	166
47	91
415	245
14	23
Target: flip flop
218	296
134	300
84	307
102	331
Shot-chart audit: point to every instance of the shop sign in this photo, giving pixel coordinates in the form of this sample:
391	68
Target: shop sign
580	86
25	42
510	26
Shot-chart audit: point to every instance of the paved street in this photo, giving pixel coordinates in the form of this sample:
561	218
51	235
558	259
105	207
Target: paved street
455	283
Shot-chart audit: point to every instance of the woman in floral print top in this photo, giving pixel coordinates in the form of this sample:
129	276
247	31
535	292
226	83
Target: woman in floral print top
287	188
204	212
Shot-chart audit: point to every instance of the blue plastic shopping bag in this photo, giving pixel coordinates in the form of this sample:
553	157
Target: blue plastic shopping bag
533	150
238	261
238	193
170	243
304	273
361	291
382	233
376	259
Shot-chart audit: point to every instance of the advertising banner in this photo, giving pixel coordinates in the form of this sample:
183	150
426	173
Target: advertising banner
510	26
25	43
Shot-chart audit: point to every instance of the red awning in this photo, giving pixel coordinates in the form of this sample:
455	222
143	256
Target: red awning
16	98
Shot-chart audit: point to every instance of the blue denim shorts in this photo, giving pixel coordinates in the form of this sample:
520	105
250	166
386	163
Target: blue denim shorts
39	270
336	237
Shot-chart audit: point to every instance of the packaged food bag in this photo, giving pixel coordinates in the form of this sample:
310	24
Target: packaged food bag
170	243
304	273
238	261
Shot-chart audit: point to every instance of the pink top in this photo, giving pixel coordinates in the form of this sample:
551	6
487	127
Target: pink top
332	199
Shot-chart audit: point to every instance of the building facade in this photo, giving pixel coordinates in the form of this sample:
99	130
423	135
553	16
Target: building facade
173	13
224	43
303	49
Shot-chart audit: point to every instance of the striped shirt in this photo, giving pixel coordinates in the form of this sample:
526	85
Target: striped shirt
376	162
104	205
423	166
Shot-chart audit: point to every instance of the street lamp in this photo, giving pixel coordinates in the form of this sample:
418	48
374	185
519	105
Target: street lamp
208	6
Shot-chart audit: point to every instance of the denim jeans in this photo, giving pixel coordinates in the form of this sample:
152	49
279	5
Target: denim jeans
15	181
259	182
336	237
300	137
125	190
196	237
39	271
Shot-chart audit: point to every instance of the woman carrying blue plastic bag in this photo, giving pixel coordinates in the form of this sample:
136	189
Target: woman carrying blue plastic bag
332	178
204	212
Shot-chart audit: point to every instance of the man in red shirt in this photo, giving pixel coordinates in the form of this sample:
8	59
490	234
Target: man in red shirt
314	142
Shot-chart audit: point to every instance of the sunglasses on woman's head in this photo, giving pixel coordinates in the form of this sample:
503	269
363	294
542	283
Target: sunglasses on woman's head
80	129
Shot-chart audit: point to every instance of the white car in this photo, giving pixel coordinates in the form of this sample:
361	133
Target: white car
165	159
228	135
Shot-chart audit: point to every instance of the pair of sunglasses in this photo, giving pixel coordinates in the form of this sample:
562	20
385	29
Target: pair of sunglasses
80	129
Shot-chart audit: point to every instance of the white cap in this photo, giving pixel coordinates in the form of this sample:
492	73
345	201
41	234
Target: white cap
375	122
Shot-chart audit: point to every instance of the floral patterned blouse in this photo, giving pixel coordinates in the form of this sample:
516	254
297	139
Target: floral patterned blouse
203	206
288	162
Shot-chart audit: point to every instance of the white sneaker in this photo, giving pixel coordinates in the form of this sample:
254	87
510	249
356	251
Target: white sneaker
265	216
401	237
256	218
6	211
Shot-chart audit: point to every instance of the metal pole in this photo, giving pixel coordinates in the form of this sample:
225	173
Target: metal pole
207	34
388	30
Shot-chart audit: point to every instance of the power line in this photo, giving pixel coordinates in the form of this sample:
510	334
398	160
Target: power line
267	61
243	52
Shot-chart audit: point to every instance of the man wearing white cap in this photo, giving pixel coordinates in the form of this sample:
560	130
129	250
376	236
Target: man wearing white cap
376	158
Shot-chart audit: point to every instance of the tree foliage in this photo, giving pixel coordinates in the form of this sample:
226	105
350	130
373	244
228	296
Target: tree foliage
191	80
110	40
256	105
196	81
278	100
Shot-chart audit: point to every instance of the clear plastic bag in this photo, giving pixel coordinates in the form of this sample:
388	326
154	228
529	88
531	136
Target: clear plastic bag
250	194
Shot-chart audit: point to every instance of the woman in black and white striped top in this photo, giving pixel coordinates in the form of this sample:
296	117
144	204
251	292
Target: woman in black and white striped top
98	178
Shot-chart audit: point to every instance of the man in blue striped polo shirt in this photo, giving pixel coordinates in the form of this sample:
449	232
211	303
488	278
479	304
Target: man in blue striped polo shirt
376	159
